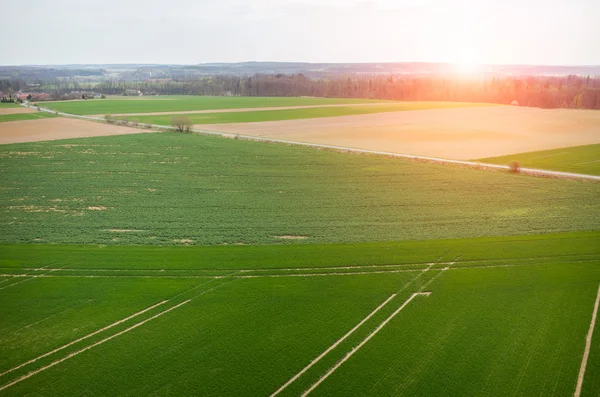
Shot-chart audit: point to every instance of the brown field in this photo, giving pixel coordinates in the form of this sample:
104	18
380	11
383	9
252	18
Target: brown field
16	110
467	133
57	128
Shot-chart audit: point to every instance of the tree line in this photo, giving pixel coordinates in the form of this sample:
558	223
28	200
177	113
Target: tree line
544	92
537	91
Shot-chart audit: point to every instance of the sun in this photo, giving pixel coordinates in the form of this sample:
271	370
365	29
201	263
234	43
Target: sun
465	62
467	68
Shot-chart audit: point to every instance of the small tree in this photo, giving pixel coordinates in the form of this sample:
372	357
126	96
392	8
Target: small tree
514	167
102	96
181	123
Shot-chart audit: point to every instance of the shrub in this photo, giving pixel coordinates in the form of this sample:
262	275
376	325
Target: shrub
514	167
109	119
181	123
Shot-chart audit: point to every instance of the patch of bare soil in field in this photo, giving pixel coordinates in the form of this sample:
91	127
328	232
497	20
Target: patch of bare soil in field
57	128
463	133
16	110
292	237
97	208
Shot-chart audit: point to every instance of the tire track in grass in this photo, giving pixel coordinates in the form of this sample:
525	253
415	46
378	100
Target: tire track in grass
25	279
242	276
30	374
82	338
588	345
32	276
70	355
330	348
339	341
361	344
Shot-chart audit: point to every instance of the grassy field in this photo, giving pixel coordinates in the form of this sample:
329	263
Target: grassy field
506	315
175	103
25	116
577	159
181	264
294	114
9	105
169	189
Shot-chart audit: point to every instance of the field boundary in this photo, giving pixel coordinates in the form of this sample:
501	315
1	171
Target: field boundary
361	344
424	159
588	345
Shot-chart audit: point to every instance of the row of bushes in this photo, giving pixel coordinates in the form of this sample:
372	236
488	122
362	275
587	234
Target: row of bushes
180	123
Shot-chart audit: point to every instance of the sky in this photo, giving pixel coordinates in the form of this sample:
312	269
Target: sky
550	32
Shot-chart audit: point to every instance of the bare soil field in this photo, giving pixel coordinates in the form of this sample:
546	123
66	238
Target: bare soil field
462	134
57	128
16	110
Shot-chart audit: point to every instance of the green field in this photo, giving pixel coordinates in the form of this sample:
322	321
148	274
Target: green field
505	315
25	116
176	103
9	105
182	264
168	188
577	159
293	114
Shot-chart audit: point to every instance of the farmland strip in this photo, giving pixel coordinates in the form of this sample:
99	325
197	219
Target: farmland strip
361	344
82	338
426	159
330	348
243	110
93	345
588	345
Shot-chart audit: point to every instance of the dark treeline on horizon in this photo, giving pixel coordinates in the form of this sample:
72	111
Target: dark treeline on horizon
536	91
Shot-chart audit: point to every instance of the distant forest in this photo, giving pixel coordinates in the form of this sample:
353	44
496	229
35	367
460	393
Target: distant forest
536	91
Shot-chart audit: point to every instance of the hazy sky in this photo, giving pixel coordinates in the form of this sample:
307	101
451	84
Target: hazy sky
562	32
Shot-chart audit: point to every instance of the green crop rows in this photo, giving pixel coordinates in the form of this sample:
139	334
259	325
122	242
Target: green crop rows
508	316
293	114
25	116
168	188
577	159
188	102
181	264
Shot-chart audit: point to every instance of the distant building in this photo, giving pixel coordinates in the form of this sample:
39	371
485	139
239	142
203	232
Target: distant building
130	92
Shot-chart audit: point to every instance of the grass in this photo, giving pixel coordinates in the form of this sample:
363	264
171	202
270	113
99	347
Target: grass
518	329
177	103
294	114
508	312
25	116
9	105
578	159
176	189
